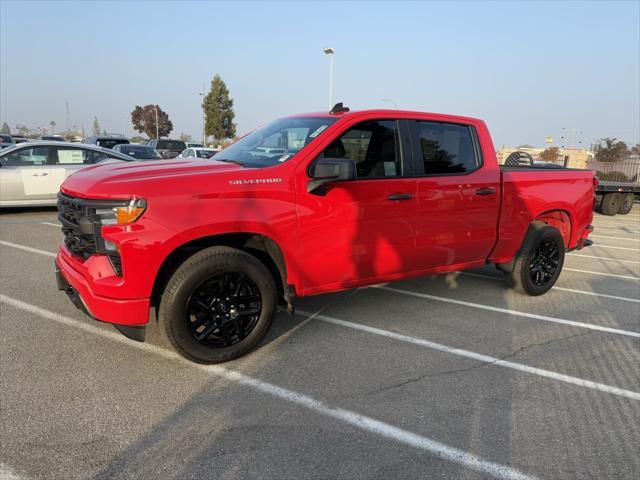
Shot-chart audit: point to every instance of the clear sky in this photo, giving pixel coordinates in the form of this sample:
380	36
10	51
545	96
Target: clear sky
528	69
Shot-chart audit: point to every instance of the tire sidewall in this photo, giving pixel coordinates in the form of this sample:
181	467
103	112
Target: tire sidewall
544	234
187	278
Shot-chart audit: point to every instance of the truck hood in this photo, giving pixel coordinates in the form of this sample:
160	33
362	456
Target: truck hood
113	180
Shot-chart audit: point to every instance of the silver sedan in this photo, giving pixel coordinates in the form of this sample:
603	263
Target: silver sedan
31	173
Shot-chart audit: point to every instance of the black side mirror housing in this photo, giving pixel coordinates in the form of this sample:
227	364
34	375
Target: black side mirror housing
327	170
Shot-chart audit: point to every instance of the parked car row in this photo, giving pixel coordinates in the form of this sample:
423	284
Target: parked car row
31	173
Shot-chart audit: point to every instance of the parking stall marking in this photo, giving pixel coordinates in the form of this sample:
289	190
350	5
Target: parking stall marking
564	289
616	247
615	238
603	258
591	272
516	313
362	422
27	249
51	224
485	359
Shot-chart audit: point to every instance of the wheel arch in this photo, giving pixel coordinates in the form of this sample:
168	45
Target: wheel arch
259	245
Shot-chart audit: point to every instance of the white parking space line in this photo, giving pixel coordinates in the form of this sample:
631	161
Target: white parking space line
618	228
603	258
615	238
27	249
615	247
362	422
590	272
563	289
51	224
515	313
482	358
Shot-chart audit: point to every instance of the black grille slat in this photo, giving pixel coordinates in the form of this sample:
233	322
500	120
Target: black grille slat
75	215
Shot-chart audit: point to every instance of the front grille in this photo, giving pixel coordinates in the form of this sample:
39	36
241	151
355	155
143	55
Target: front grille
82	229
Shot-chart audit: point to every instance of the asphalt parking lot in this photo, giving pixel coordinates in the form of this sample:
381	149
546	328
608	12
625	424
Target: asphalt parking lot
451	376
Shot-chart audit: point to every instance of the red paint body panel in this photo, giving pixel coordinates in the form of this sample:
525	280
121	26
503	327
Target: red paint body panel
352	236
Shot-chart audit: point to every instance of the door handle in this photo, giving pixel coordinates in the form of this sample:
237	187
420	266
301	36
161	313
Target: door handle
485	191
42	174
397	197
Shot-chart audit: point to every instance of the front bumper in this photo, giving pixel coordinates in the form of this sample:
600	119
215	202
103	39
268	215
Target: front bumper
130	316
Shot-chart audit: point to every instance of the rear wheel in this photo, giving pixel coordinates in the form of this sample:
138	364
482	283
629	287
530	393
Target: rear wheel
626	203
610	203
217	305
539	262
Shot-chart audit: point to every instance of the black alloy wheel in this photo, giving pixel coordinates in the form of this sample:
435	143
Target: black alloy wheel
223	310
217	305
544	263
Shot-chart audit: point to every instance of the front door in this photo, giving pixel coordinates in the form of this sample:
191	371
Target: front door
359	230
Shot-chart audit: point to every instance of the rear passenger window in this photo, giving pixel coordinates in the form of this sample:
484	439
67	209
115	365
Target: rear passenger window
446	148
72	156
373	146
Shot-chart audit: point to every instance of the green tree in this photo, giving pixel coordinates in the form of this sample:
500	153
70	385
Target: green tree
144	121
185	137
610	150
96	126
635	150
53	127
218	110
5	128
136	139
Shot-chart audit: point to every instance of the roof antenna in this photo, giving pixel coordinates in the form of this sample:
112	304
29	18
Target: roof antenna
338	108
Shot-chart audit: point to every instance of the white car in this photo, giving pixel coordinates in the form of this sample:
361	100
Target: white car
31	173
198	152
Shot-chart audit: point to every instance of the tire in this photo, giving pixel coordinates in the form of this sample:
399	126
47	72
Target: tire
626	203
610	203
223	291
536	266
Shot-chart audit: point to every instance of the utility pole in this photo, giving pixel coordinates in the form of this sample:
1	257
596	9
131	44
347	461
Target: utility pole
157	129
330	51
203	115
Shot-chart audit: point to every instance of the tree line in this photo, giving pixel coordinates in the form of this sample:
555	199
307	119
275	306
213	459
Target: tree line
152	121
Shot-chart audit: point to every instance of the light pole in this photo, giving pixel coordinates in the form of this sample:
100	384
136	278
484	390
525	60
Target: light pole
157	129
330	51
202	105
123	128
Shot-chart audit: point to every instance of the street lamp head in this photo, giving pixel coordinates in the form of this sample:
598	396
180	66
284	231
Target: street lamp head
329	51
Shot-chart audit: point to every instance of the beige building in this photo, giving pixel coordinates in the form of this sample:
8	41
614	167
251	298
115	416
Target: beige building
576	157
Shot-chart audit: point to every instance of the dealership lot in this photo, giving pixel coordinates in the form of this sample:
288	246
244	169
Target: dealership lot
451	376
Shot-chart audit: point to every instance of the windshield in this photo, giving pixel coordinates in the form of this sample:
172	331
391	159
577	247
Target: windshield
276	142
139	151
206	153
111	142
173	145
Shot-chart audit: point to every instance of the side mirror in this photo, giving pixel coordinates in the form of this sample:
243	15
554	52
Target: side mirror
327	170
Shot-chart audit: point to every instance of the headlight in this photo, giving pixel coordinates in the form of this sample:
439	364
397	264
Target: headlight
122	215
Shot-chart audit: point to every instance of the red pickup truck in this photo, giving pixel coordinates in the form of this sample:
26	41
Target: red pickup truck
307	204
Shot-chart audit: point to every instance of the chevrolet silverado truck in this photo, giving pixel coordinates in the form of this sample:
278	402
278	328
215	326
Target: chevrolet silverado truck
305	205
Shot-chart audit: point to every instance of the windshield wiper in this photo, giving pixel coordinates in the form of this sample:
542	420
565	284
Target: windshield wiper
227	160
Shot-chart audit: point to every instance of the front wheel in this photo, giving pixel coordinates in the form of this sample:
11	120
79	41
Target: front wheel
539	262
217	305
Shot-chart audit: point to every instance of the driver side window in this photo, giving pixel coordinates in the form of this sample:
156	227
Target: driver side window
373	146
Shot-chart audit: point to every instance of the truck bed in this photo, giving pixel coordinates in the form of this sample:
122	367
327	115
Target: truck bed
562	197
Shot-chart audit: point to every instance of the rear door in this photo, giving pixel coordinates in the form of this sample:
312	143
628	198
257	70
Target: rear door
458	196
26	174
362	229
